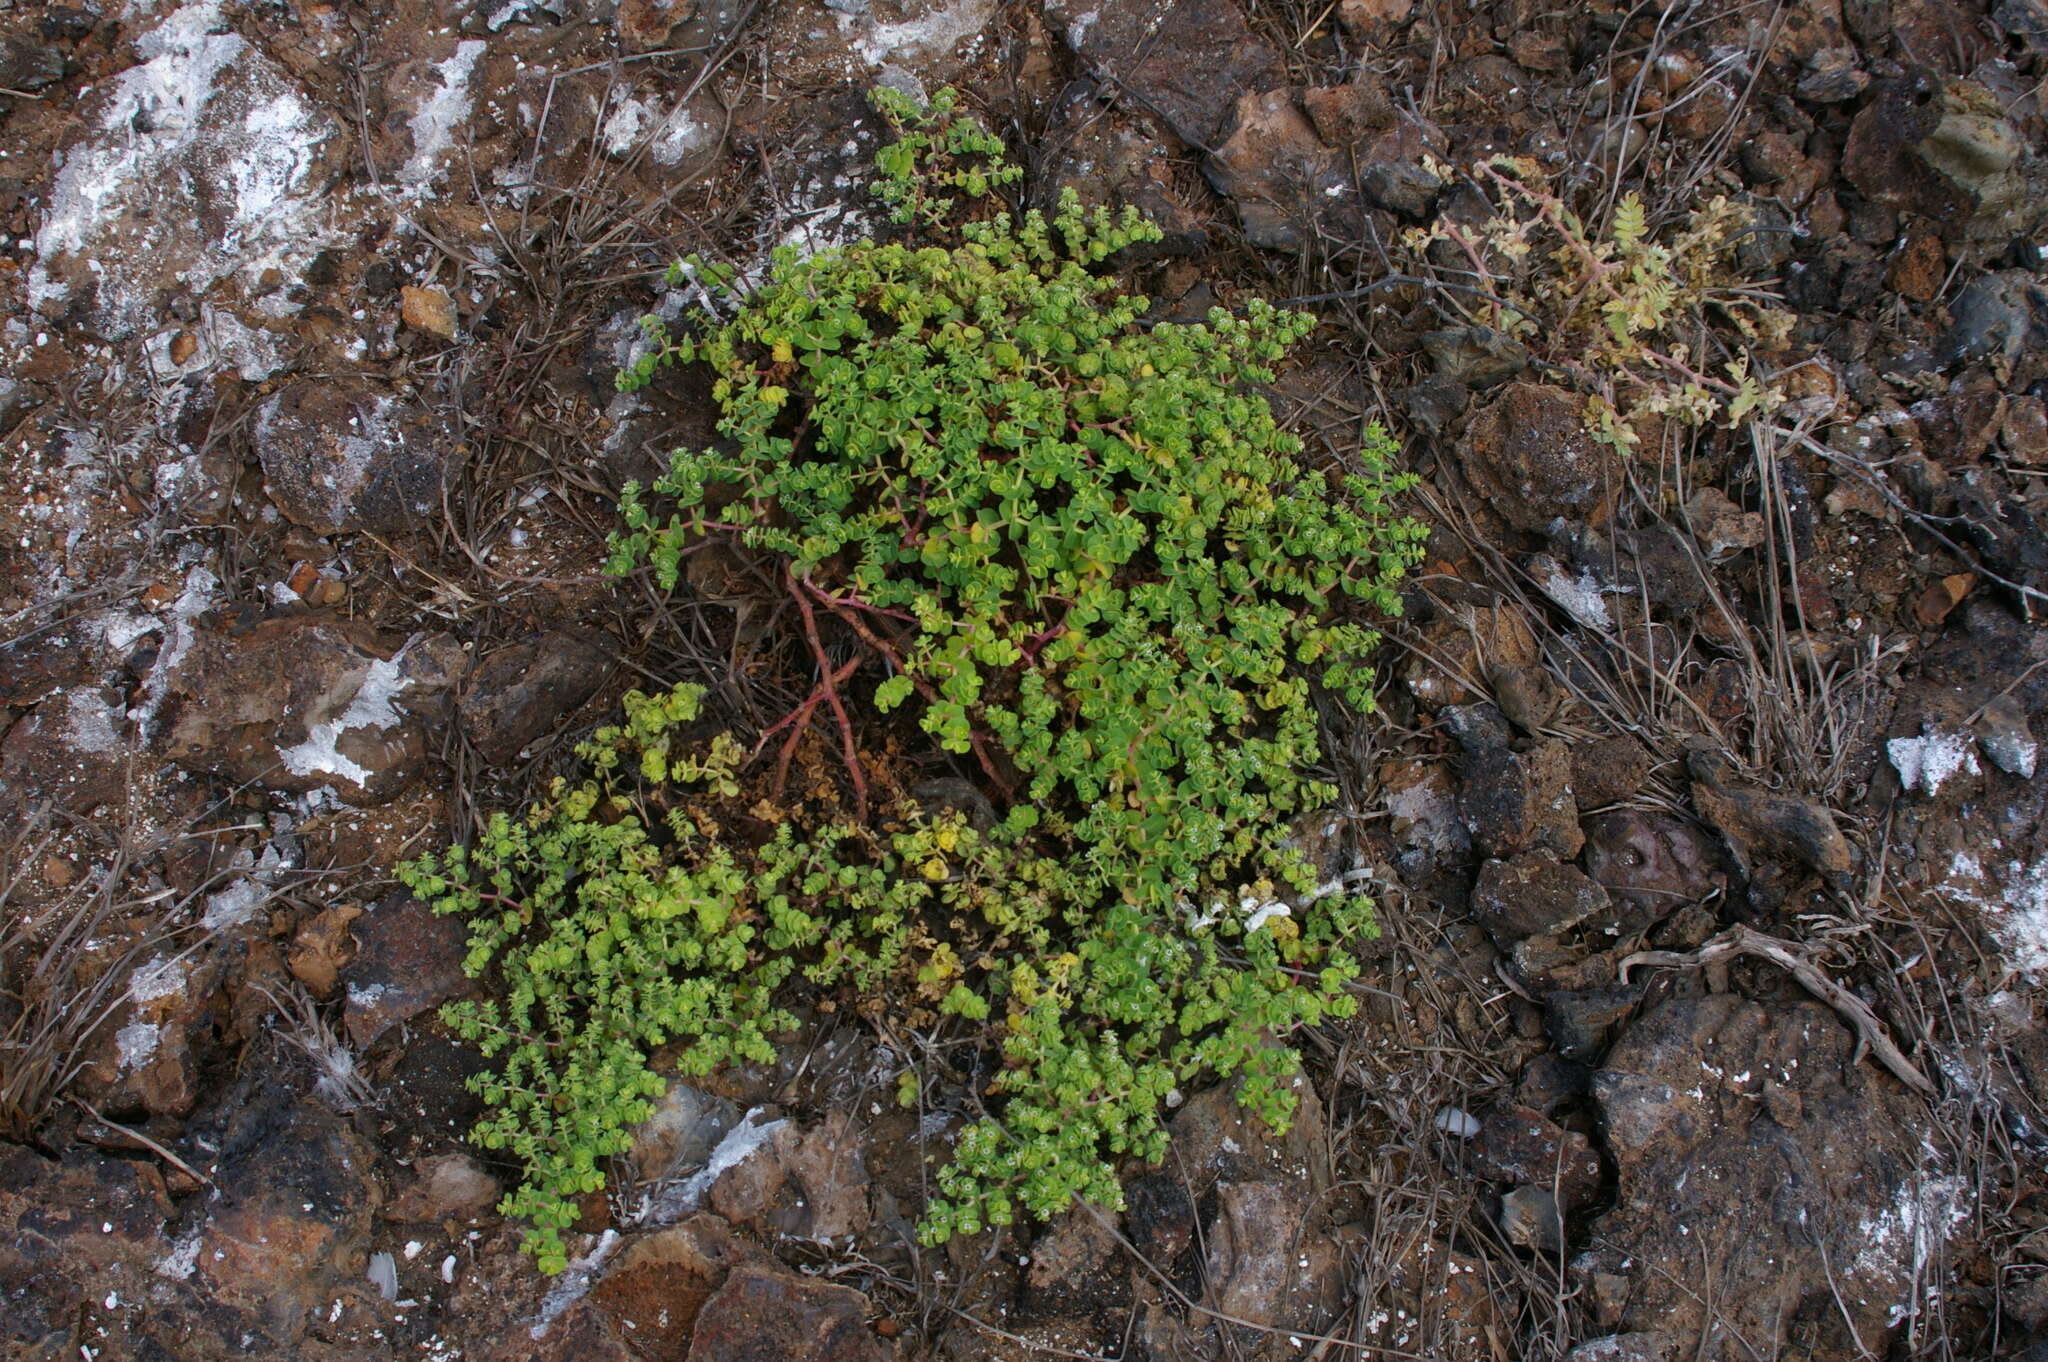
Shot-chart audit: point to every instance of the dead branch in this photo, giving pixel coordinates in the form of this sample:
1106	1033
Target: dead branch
1871	1035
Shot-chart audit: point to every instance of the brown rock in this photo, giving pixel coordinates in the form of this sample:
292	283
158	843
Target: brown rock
2024	431
1520	801
292	1221
1422	808
1253	1249
1077	1264
1348	113
77	1216
657	1287
768	1314
1919	269
1608	770
296	703
1760	823
322	947
407	960
69	749
428	310
1373	20
1709	1177
1651	863
647	25
1116	154
445	1187
342	456
1939	597
1275	169
1534	894
1722	528
1188	62
1461	646
1519	1146
184	345
1529	453
522	692
1528	696
36	664
805	1184
59	872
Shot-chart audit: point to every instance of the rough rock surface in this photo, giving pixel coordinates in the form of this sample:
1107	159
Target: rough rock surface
526	689
1529	453
407	960
346	457
296	703
1714	1102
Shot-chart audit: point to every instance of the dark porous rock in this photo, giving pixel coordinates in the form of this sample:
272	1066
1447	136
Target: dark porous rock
1518	1146
1581	1022
1520	801
291	1223
1650	864
1533	894
522	692
78	1215
1473	356
1529	453
765	1313
1159	1217
1411	191
1756	1151
296	703
1996	317
344	457
1550	1082
1761	824
1657	563
1189	62
1943	151
1112	155
407	960
1435	402
1276	170
1528	696
70	1232
1608	770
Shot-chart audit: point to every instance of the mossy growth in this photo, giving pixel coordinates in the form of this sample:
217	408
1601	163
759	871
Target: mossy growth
1075	554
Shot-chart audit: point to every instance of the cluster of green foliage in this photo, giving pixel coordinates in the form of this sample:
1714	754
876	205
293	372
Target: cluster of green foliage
1077	548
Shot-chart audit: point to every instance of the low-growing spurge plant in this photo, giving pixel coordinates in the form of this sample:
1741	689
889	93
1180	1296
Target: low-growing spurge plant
1018	529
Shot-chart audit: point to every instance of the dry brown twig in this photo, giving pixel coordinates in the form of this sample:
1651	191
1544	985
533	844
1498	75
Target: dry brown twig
1737	941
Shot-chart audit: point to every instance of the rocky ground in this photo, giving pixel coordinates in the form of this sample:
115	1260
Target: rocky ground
1703	812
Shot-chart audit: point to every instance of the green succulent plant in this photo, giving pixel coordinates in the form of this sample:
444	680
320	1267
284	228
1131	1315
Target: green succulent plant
1073	549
